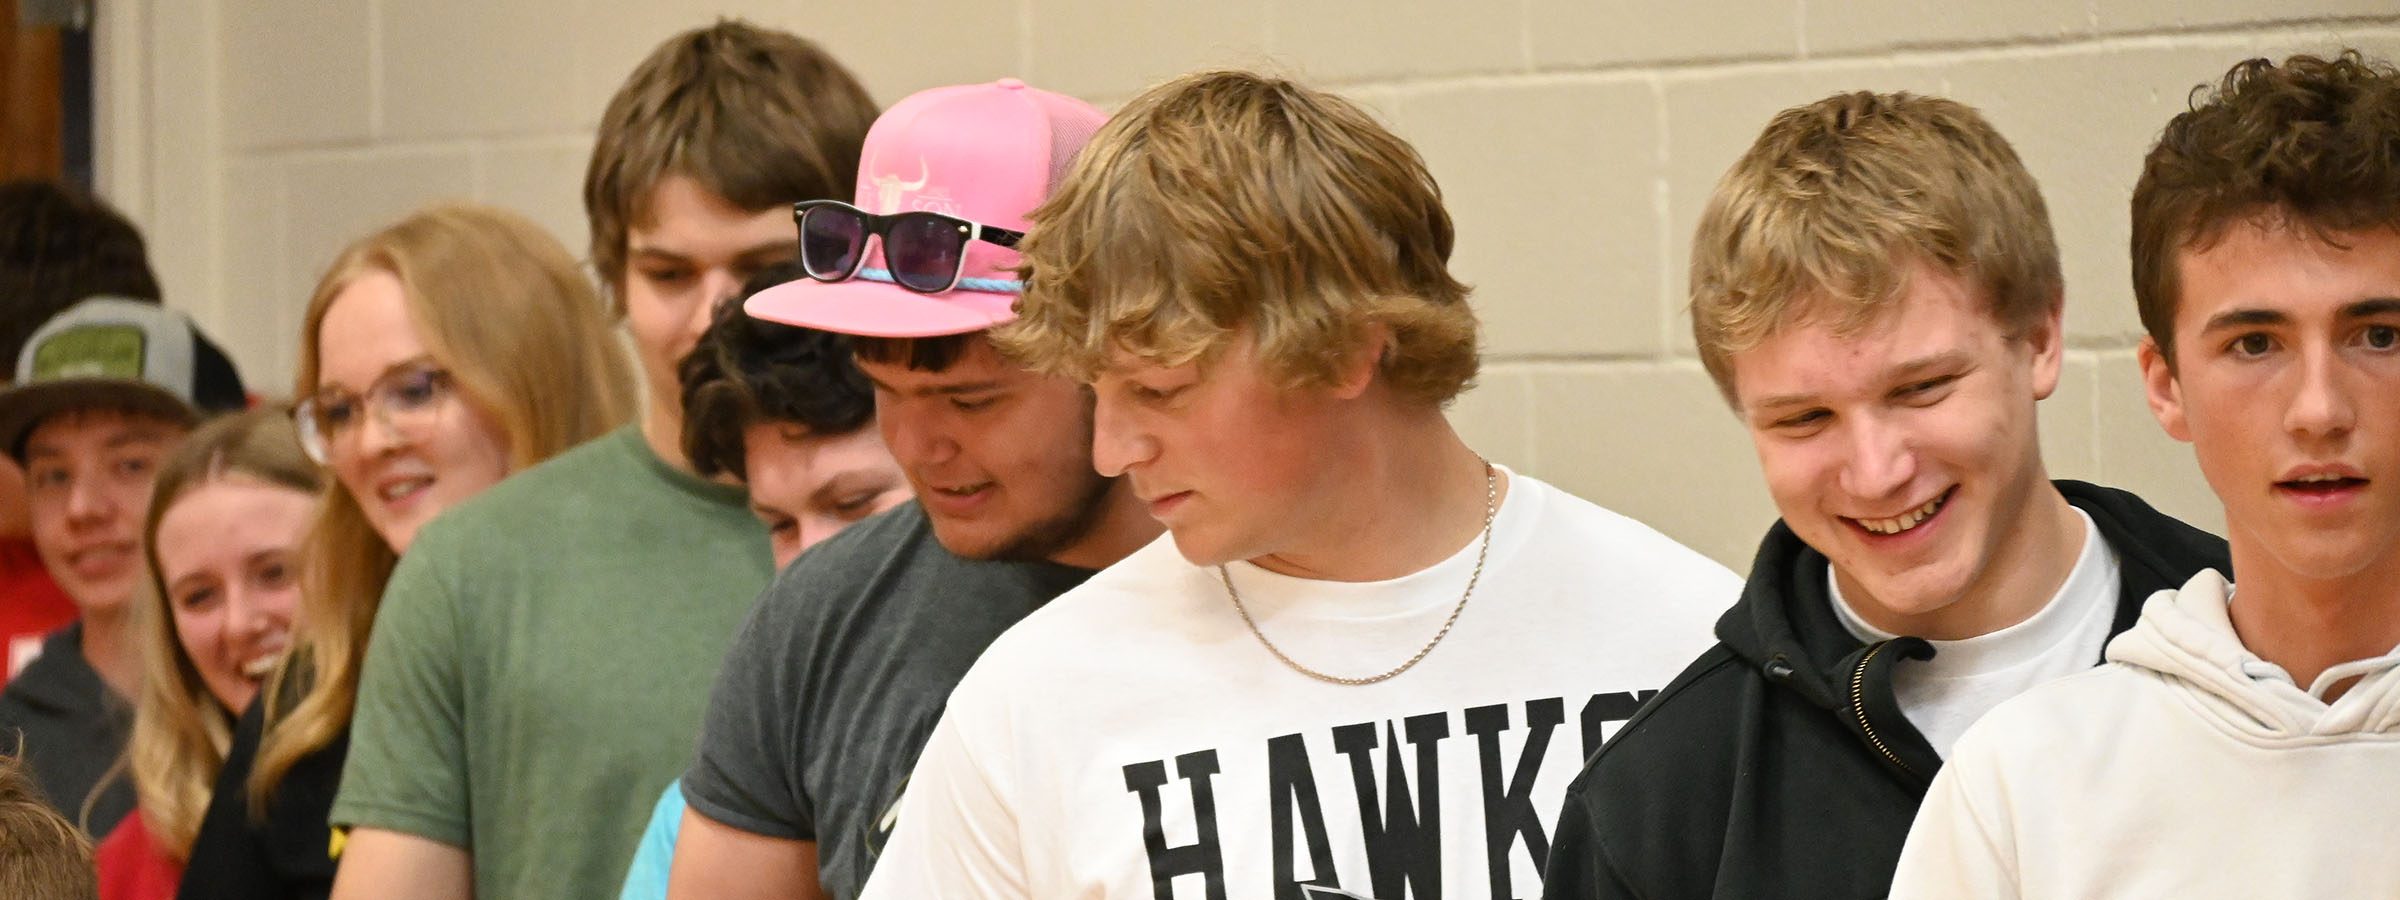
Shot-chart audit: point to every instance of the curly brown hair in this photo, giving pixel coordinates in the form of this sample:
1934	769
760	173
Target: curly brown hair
747	372
2313	143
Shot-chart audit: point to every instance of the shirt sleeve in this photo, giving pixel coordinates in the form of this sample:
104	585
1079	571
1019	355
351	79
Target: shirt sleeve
747	770
407	770
958	833
1955	849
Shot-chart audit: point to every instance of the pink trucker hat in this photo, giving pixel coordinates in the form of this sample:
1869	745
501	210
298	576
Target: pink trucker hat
988	153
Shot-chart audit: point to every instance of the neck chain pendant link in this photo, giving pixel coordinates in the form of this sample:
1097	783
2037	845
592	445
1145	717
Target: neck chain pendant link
1491	511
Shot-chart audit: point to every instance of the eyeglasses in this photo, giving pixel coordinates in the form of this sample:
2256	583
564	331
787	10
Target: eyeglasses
407	397
924	252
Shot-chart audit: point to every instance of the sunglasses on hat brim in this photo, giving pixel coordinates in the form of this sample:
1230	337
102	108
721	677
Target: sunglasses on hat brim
925	252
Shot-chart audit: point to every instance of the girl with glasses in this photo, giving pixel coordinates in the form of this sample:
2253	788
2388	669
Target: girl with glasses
440	354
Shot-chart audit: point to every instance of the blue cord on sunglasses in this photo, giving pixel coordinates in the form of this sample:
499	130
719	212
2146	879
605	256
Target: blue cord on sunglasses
986	285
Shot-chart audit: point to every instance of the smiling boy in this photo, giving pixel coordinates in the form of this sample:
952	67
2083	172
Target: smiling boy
58	247
1877	293
103	393
2239	743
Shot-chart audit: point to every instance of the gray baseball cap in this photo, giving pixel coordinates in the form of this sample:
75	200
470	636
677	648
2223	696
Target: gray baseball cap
120	354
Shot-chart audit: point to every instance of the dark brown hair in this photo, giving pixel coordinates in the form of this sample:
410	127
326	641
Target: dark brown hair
59	246
2311	144
747	371
923	354
758	117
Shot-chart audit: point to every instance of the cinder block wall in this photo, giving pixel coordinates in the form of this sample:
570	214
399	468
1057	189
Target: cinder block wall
1575	142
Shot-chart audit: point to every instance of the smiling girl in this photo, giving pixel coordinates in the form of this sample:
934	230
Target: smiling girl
440	354
224	530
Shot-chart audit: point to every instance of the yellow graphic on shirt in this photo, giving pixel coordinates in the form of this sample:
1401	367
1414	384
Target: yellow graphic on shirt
334	844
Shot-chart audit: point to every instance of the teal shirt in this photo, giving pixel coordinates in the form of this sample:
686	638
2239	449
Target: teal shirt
646	878
541	661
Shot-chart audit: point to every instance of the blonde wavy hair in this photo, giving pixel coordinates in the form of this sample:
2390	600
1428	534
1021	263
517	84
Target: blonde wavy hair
180	730
527	340
42	855
1229	200
1836	199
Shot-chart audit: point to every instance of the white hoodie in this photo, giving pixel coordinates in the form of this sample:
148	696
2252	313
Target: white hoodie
2187	767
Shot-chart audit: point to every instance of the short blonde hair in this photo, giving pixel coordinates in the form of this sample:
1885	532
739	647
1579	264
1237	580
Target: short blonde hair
1227	201
1825	214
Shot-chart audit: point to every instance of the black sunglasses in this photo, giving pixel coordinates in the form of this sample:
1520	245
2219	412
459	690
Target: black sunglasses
924	252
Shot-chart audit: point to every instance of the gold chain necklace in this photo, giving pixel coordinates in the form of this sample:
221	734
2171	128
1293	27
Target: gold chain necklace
1491	510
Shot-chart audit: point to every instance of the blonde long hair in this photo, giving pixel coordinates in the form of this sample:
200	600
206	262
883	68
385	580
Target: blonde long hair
501	305
180	730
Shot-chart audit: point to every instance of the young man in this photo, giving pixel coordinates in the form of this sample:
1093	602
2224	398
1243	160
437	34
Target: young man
103	392
1368	660
2238	744
542	654
58	247
834	684
1876	291
787	411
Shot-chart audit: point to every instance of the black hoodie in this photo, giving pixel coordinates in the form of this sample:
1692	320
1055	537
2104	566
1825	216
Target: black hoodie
1779	764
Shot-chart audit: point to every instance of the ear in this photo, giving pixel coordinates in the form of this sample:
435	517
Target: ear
2048	342
2163	390
1359	370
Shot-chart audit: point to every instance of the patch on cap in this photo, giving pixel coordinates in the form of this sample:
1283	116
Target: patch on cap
93	351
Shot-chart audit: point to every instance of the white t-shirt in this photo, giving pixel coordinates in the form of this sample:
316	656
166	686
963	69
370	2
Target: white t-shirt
1966	678
1133	739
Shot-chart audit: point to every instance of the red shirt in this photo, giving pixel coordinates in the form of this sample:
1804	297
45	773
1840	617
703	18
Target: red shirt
133	866
31	605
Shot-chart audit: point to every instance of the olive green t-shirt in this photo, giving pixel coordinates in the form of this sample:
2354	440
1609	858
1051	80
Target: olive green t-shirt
541	661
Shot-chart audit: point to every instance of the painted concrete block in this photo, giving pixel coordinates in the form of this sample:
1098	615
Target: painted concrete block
1655	443
1553	188
296	73
1566	33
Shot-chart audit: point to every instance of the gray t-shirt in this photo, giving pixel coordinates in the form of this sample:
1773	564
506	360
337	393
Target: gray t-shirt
836	680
